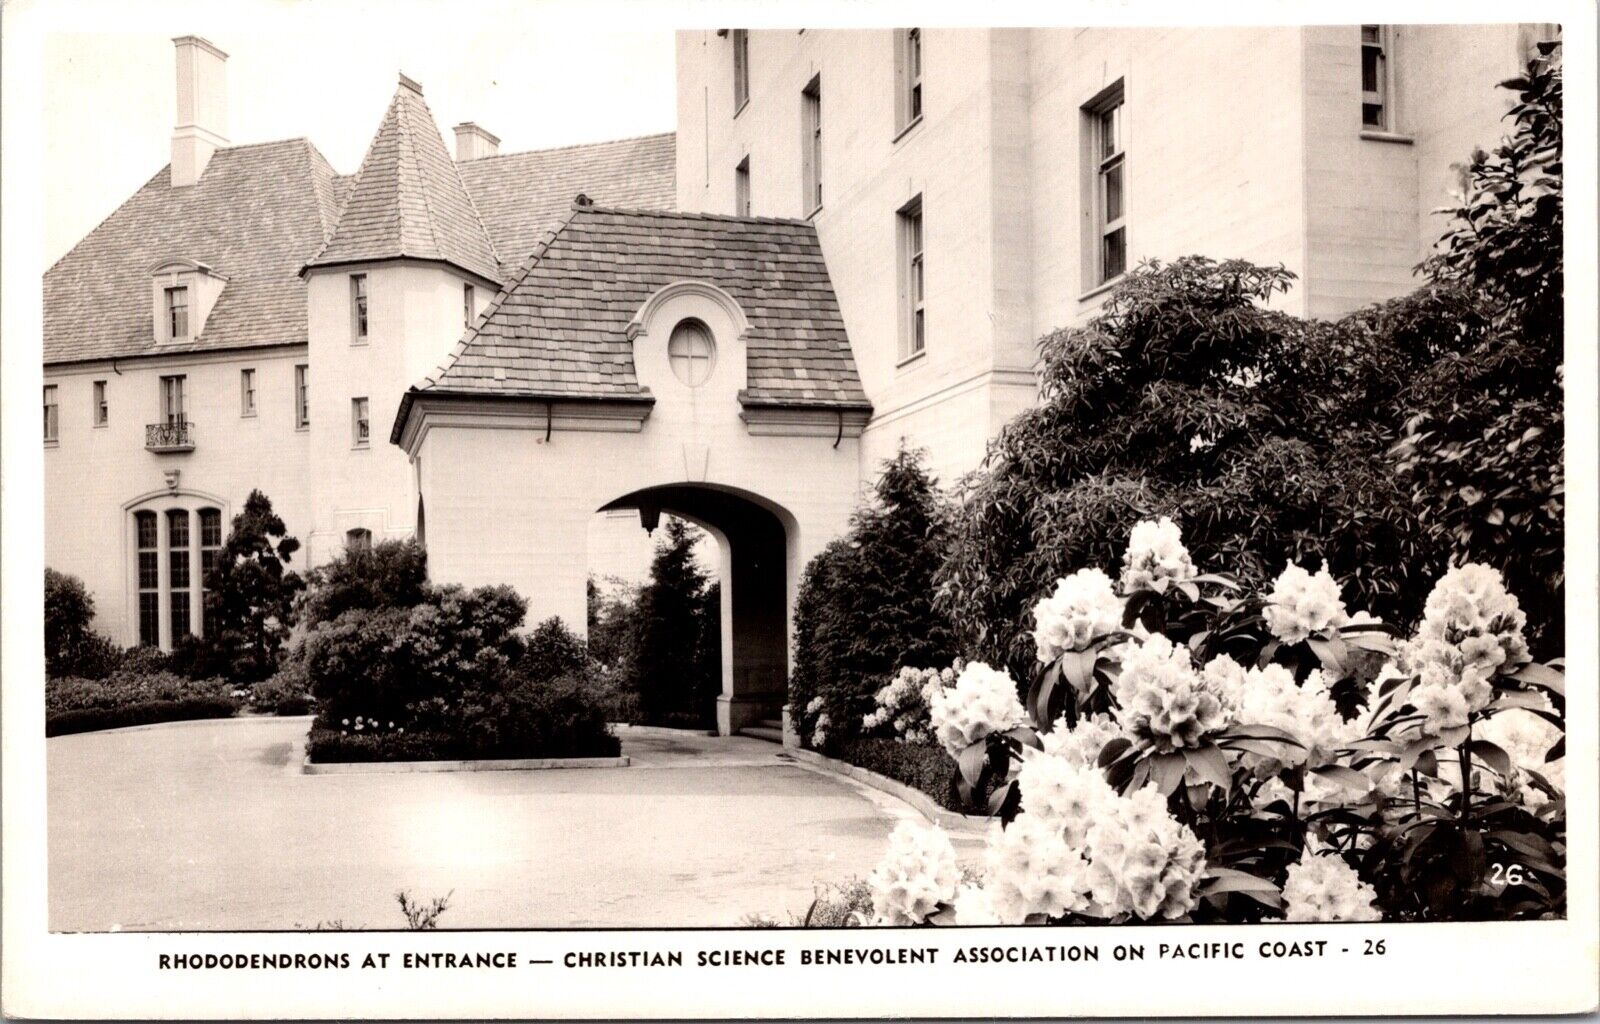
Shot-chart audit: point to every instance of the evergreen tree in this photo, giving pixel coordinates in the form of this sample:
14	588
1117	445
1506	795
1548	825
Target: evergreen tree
250	594
676	652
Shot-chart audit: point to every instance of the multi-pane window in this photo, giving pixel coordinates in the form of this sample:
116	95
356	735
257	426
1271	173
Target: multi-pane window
469	297
908	75
358	307
302	397
360	429
358	540
1109	164
173	409
741	188
145	525
178	571
691	352
102	410
741	68
210	551
811	141
1376	102
913	290
52	414
247	392
177	307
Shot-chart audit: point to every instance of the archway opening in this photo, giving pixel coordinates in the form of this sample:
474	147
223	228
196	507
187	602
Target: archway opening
745	554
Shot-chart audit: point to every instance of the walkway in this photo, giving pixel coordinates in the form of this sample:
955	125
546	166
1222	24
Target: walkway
206	825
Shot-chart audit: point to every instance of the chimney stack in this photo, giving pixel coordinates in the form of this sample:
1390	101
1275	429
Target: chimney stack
473	143
202	126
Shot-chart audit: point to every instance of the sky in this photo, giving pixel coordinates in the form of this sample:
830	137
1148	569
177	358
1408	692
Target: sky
535	81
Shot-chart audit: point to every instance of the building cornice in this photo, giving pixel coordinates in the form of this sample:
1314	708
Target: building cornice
421	411
190	356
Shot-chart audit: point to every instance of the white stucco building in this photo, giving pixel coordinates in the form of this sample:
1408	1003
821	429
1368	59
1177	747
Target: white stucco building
854	239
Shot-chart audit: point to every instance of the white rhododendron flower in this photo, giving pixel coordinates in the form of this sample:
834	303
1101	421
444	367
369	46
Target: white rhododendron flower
1082	743
1155	554
1163	698
1083	609
983	701
1325	888
1062	792
1031	869
974	905
1270	696
1142	861
1526	738
917	874
1301	604
903	702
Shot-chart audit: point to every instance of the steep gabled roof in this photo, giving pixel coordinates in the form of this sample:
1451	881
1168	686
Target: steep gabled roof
254	215
522	196
408	200
560	328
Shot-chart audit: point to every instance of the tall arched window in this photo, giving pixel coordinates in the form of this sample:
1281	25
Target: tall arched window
691	352
145	526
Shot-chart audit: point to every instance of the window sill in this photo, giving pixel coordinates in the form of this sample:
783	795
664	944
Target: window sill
52	444
740	108
358	342
902	133
101	426
247	415
302	428
361	447
1372	135
1100	289
912	358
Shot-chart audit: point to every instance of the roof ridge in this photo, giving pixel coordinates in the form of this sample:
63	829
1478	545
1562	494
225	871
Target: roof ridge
687	215
574	145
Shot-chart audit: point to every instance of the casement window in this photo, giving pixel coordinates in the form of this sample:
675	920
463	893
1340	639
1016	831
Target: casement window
908	77
1105	186
358	308
360	429
469	298
358	540
178	577
1377	78
102	409
913	289
247	392
302	397
741	188
811	144
145	525
177	311
210	551
52	415
691	352
174	409
741	68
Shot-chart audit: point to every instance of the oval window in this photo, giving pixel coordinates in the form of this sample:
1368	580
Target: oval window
691	352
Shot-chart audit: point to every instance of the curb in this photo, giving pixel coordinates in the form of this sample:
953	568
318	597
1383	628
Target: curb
950	821
623	728
182	722
485	765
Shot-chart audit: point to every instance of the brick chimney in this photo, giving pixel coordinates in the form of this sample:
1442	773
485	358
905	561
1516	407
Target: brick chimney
202	126
473	143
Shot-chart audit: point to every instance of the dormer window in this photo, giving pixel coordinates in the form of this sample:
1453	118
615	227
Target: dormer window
183	292
177	314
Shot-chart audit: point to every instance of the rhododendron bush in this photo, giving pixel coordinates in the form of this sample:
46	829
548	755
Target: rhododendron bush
1188	751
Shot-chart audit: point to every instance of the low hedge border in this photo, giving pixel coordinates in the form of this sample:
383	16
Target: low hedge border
950	820
66	723
334	746
925	768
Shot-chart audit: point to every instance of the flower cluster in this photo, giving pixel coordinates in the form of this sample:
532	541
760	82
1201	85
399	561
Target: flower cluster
1301	604
1471	630
1155	556
1083	609
1269	696
1325	888
361	723
916	875
820	722
903	702
1082	743
1142	862
1062	791
983	701
1164	699
1031	868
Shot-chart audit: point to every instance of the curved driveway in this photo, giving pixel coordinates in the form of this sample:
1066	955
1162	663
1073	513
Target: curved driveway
208	826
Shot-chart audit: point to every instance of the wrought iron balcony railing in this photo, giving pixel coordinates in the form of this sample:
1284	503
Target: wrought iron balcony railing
176	436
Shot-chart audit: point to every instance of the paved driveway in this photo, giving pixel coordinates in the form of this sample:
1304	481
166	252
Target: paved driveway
206	825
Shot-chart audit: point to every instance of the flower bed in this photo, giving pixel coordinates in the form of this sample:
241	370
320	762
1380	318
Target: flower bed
128	698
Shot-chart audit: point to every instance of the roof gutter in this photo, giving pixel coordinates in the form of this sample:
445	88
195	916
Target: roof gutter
548	400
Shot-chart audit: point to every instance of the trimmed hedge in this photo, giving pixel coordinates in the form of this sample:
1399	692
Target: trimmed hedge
65	723
922	767
327	745
126	698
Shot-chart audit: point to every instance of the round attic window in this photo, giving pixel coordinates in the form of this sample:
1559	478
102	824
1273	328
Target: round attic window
692	352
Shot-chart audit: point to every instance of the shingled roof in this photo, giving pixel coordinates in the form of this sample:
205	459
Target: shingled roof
560	329
522	196
408	199
254	215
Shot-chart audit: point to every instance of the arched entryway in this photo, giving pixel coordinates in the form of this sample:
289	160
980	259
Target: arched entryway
754	539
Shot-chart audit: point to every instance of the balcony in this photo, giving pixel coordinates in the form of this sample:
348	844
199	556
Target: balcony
161	438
